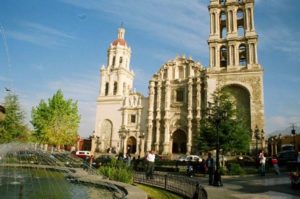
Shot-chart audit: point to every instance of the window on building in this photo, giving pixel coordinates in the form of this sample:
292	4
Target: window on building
121	60
179	95
243	55
106	88
223	56
132	118
115	88
223	23
222	2
114	61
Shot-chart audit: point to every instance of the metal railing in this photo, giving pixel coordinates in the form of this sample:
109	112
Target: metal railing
184	186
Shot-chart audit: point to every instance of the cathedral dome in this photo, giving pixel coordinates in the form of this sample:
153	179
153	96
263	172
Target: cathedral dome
119	41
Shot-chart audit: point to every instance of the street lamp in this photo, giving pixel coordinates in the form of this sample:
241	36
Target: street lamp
294	136
217	175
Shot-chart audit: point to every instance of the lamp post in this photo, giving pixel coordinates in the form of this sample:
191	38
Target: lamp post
220	115
294	136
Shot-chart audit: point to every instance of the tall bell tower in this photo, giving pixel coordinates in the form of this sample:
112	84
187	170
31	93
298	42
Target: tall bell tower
116	82
233	39
233	62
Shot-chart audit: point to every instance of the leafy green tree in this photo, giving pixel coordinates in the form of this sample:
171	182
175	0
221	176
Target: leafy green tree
13	127
221	115
57	121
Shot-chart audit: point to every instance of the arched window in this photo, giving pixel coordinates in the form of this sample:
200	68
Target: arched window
223	22
121	60
106	88
240	23
114	61
222	2
180	95
223	56
106	132
115	88
223	16
243	55
240	14
223	32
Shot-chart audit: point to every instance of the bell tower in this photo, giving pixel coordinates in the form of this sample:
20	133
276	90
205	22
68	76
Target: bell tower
233	39
116	82
116	77
233	62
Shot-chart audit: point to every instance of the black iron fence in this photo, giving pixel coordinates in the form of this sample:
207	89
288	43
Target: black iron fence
184	186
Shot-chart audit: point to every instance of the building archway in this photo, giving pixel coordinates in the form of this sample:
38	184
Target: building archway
106	130
179	141
131	145
241	97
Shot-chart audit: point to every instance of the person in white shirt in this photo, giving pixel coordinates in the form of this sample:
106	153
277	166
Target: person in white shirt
150	159
262	161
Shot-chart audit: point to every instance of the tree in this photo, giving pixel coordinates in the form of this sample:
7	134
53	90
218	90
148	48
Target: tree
223	116
13	127
57	121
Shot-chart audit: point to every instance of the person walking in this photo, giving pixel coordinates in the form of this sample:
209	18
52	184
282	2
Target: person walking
275	164
209	163
262	162
150	159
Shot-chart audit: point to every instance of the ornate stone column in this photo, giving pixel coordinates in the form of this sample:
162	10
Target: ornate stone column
189	117
166	118
150	115
158	118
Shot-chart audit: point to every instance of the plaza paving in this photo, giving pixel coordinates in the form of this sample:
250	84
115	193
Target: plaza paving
252	187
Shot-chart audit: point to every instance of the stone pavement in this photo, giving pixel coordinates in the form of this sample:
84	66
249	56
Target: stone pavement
252	187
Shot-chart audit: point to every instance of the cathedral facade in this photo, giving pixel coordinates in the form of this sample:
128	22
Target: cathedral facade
168	119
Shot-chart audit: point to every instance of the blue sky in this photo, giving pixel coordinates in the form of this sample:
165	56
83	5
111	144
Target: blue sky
61	44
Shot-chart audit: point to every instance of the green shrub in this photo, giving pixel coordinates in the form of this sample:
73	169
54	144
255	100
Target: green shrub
118	171
236	169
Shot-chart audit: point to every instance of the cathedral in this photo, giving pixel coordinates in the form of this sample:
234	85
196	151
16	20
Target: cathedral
168	118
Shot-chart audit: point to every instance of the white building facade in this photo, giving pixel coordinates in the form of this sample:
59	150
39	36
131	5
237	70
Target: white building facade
168	119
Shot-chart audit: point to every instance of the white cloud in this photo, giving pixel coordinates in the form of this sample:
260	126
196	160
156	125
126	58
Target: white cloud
177	23
40	35
42	29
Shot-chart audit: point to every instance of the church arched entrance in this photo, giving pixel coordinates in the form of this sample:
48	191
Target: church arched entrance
179	142
131	145
241	97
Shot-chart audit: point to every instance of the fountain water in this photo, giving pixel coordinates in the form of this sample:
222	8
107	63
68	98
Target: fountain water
28	172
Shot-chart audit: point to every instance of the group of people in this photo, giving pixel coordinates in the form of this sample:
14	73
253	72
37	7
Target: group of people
262	164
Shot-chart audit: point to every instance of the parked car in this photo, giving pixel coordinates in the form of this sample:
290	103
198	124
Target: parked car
83	154
245	160
287	156
193	158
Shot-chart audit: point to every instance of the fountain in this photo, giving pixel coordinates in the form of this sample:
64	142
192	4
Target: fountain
29	172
